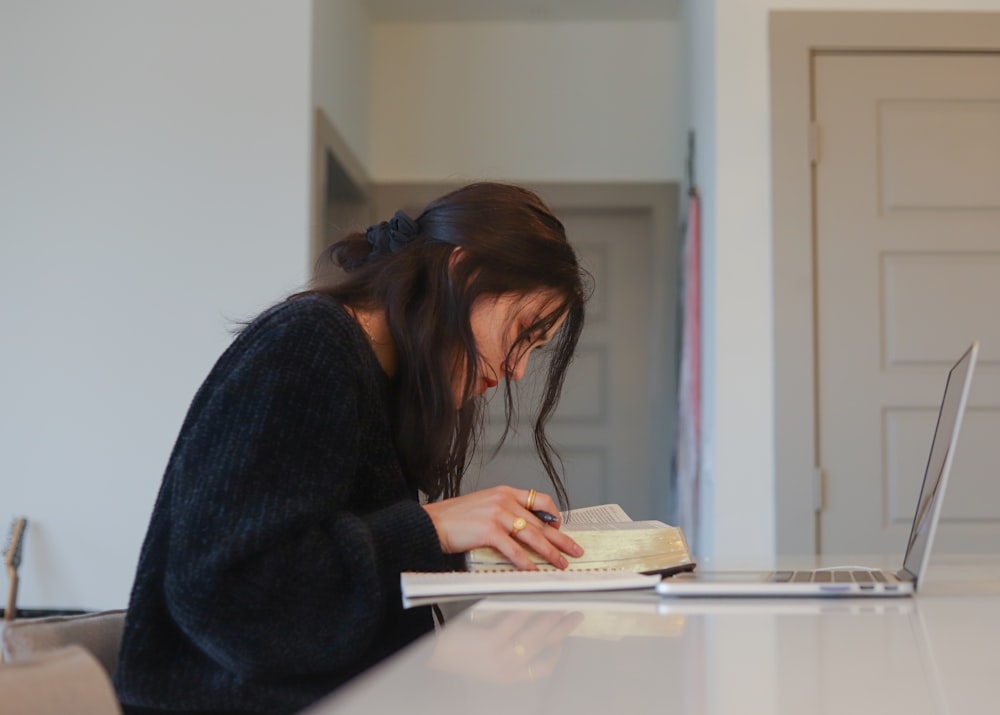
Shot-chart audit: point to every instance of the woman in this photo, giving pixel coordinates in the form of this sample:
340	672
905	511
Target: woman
291	502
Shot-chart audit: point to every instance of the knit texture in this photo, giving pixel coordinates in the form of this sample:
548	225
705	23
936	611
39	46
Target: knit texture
270	571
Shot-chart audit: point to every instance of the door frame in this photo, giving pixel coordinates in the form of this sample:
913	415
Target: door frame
795	38
340	186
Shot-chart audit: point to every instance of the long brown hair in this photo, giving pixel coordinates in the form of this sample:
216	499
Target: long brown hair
511	243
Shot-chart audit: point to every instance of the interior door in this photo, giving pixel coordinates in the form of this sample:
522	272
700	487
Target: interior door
907	207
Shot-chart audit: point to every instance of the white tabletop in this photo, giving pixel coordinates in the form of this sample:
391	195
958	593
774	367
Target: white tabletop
938	652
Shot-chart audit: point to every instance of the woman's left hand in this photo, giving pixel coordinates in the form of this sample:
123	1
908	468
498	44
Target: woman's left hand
492	517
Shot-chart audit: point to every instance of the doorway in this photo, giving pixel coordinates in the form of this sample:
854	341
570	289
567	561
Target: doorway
812	369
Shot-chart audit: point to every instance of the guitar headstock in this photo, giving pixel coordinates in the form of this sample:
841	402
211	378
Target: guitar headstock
15	542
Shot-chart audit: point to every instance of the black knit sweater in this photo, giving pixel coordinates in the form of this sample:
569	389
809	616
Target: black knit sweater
270	571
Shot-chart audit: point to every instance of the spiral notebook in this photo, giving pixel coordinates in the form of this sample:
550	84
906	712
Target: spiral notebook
421	588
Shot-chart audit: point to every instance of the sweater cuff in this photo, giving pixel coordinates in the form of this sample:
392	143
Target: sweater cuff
405	540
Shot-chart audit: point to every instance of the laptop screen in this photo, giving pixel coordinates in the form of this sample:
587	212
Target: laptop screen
939	463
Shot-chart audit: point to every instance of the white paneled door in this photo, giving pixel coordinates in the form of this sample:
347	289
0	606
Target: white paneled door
907	183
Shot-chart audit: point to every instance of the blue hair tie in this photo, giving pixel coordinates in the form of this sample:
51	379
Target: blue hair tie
392	235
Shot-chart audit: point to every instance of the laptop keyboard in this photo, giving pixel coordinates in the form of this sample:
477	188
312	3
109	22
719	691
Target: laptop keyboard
833	576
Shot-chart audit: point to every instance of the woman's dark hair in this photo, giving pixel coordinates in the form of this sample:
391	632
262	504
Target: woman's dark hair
511	243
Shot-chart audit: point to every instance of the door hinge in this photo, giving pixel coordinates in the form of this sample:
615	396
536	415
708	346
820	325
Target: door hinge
819	479
814	142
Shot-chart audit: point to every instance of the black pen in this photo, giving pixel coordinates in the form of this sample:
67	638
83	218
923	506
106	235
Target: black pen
546	517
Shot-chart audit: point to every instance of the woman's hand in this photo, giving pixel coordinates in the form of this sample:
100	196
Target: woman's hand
490	518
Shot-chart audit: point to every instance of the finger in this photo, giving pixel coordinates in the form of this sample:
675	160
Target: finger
559	539
543	502
507	543
533	536
517	556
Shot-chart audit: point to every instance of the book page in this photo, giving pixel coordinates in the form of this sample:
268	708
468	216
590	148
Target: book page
601	514
576	525
610	517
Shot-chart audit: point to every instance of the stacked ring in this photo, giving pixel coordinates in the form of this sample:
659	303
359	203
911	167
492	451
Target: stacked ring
531	499
519	523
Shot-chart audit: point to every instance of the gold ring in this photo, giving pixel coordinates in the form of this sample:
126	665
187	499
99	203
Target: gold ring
531	499
519	523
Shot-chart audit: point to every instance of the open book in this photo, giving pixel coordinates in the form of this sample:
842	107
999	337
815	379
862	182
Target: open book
619	554
610	540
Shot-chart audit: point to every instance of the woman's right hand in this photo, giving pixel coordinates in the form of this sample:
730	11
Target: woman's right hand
488	518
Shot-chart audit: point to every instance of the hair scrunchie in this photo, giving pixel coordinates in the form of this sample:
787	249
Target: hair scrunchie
392	235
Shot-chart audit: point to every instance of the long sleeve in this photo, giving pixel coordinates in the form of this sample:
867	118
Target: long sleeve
284	520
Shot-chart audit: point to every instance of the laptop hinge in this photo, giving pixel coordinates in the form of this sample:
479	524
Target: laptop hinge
818	479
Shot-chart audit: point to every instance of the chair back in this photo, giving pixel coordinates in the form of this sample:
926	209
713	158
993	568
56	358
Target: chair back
100	633
57	682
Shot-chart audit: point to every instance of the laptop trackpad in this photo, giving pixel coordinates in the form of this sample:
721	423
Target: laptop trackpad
724	576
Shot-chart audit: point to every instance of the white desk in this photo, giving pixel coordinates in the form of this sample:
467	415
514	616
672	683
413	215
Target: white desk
636	653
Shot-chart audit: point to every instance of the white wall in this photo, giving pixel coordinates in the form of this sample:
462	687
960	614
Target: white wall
539	101
734	141
153	186
341	70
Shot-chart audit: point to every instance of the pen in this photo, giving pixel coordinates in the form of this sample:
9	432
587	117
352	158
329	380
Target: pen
545	516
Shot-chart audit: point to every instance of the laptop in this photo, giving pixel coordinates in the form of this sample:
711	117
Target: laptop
854	581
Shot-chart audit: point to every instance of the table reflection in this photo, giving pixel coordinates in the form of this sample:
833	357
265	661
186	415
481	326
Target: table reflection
636	653
504	646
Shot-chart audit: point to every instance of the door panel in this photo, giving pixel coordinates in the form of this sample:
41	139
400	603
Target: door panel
908	273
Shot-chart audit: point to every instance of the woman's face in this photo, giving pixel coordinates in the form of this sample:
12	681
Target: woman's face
497	323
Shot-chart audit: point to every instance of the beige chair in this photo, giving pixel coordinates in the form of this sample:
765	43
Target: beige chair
100	633
63	681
